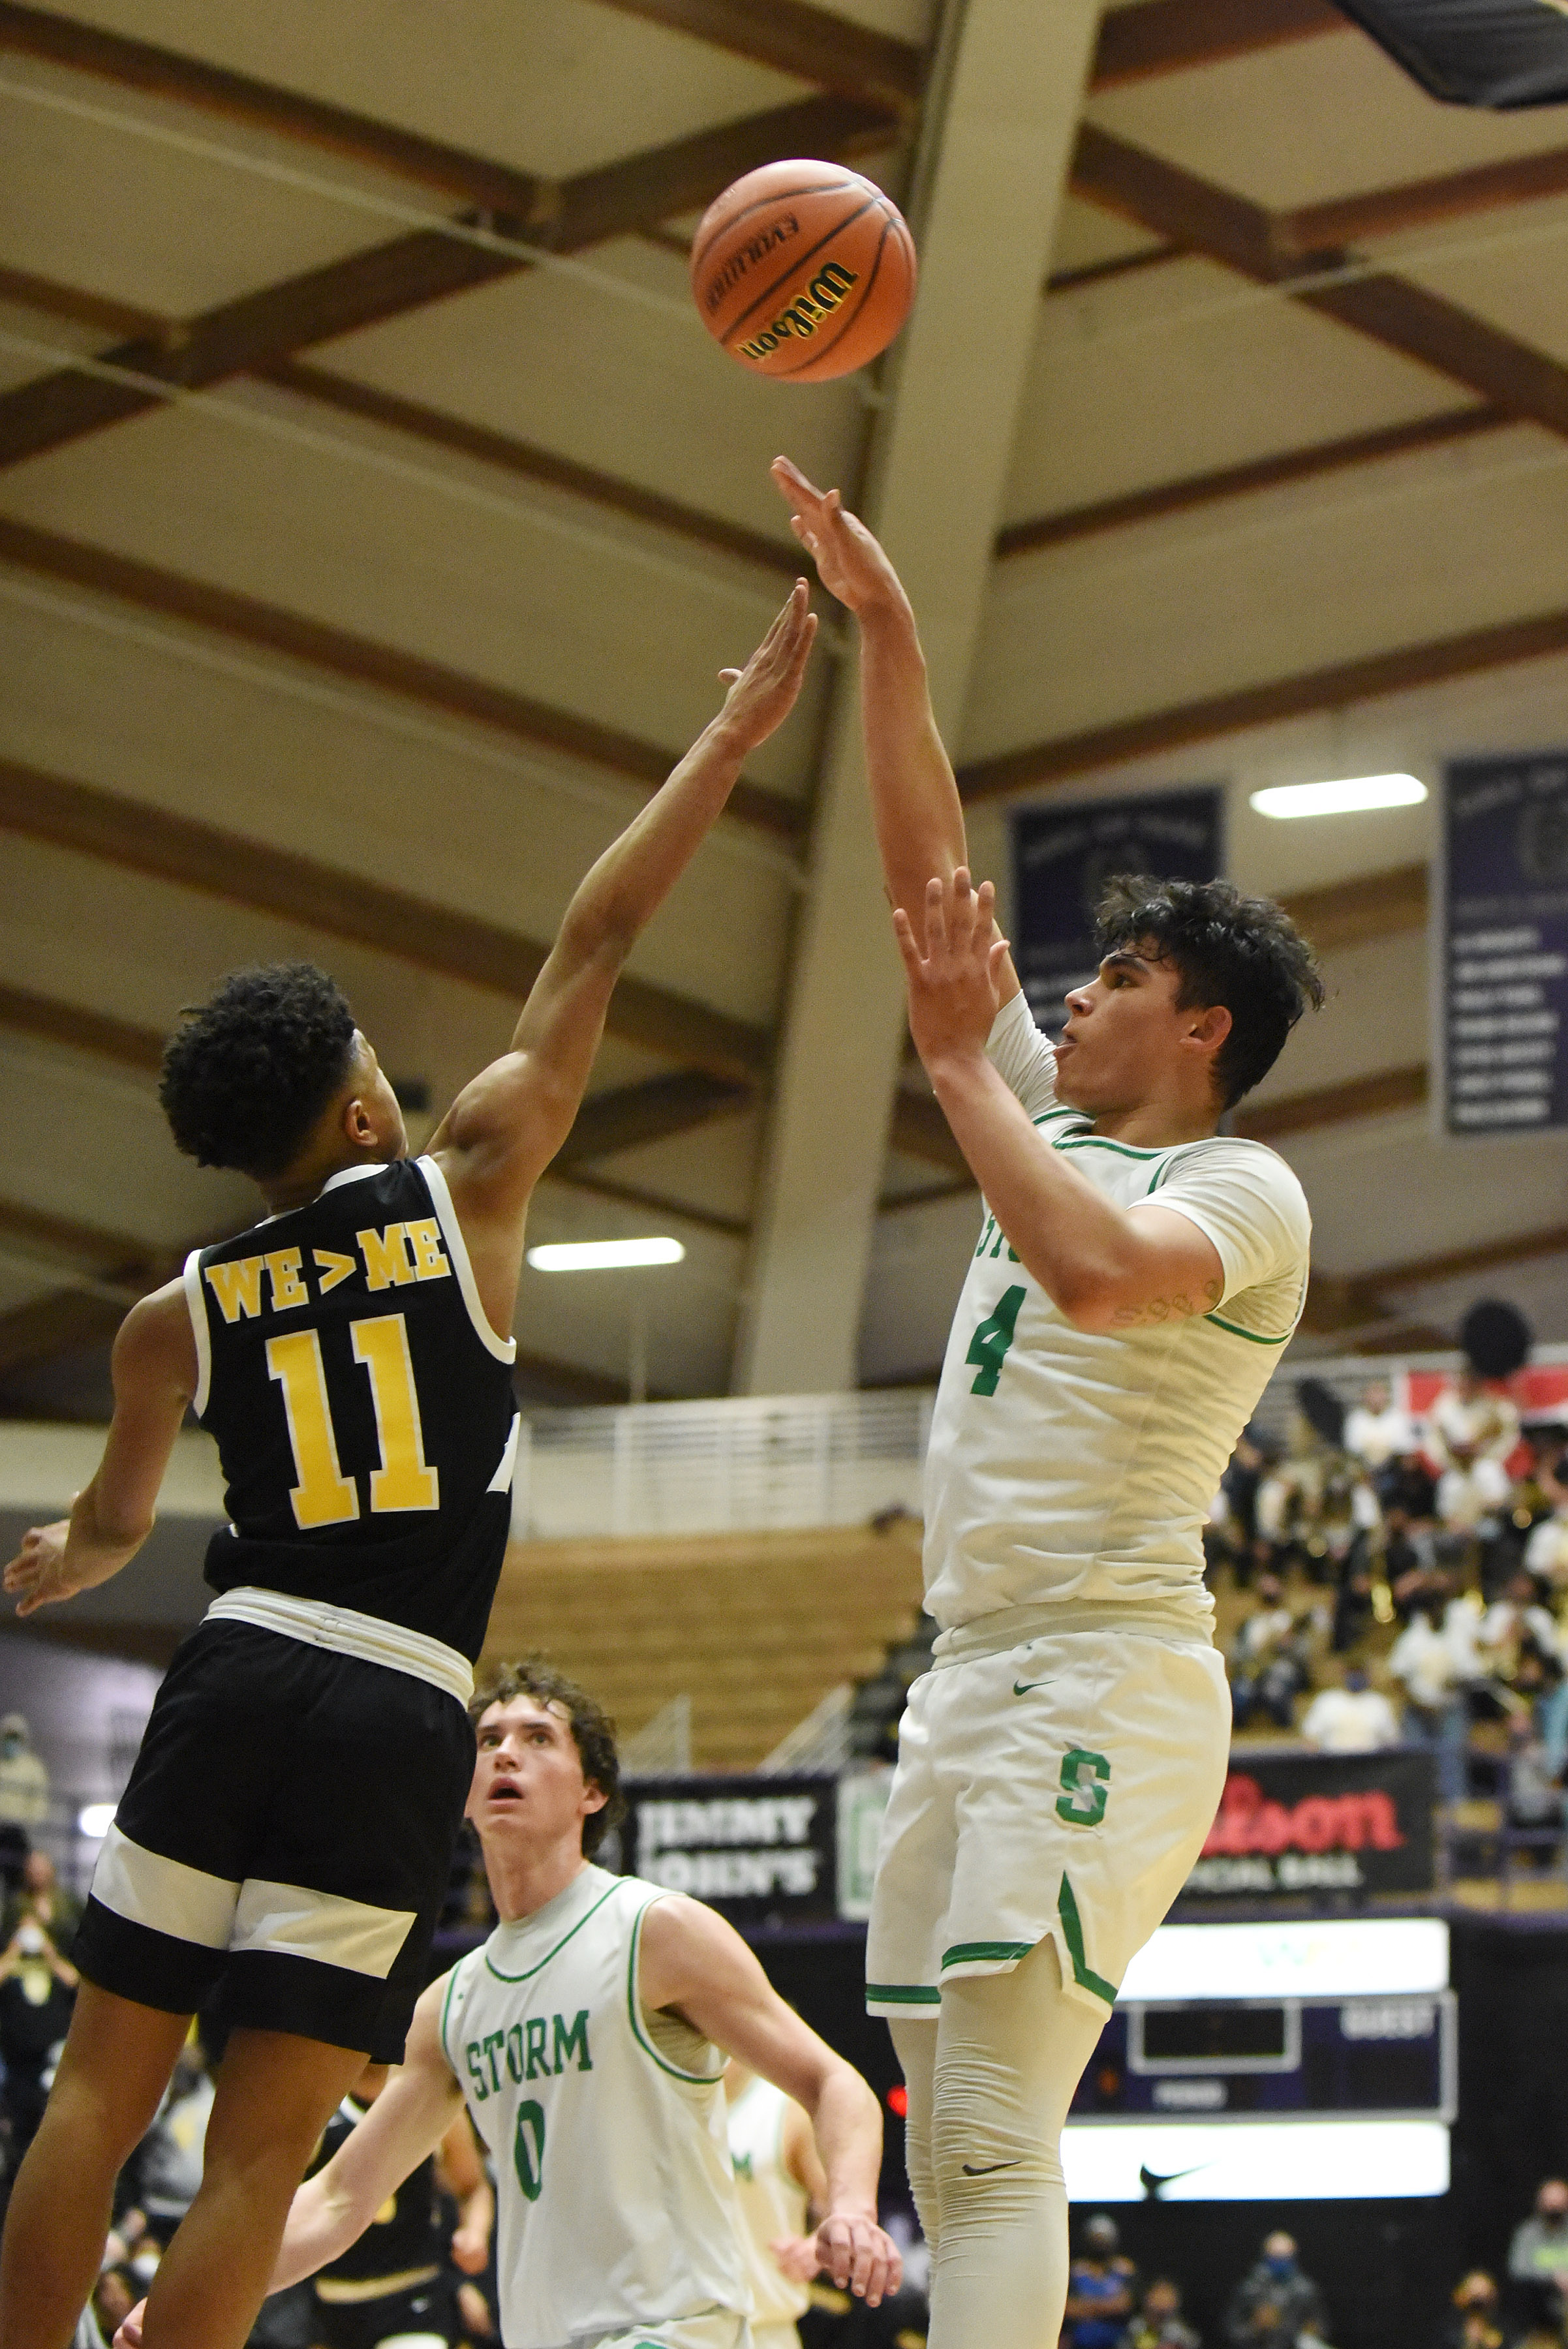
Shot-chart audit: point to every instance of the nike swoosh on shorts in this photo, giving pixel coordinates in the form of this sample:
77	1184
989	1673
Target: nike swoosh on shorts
971	2171
1022	1688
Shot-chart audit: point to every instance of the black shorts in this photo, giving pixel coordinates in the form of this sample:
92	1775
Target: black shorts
286	1842
429	2308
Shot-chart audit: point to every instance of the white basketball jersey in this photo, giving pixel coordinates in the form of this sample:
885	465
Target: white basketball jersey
1077	1467
614	2200
771	2204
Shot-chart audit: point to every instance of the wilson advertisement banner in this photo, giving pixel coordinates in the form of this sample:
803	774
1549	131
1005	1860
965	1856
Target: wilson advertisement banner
1297	1823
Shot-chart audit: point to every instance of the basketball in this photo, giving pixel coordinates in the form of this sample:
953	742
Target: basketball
802	271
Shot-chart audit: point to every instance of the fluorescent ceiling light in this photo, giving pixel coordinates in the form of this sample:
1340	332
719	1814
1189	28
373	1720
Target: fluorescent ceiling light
603	1256
1346	798
95	1821
1362	1957
1254	2161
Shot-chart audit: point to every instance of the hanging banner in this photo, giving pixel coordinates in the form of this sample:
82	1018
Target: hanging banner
1062	858
1502	975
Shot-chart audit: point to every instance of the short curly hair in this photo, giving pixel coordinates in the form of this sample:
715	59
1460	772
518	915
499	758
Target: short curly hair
247	1073
593	1732
1243	952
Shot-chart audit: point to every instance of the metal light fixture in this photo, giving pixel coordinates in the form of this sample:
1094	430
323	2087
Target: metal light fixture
1347	797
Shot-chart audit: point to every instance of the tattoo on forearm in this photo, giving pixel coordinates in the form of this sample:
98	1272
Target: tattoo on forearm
1181	1306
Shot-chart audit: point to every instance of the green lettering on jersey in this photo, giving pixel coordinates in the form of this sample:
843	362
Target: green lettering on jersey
515	2053
565	2040
473	2055
988	1347
538	2032
493	2041
1086	1781
528	2150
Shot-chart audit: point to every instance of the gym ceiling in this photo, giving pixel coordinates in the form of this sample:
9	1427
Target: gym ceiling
375	515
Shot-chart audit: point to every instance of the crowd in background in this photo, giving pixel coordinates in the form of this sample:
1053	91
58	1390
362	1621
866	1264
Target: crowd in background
1428	1561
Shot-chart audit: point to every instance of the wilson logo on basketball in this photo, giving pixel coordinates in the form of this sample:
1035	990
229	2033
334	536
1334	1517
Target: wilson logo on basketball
1249	1823
757	248
807	312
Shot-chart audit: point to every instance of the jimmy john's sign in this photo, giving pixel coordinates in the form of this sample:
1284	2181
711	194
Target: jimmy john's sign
756	1849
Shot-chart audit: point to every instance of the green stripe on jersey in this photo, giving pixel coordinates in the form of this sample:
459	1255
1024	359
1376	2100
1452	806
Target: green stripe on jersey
1073	1928
634	2013
903	1994
1252	1337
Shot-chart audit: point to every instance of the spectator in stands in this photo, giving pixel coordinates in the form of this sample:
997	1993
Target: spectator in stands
1510	1620
1355	1718
1474	2323
1535	1800
1275	2303
1475	1492
37	1992
1471	1421
1102	2287
1429	1664
1231	1536
23	1793
1379	1430
1546	1550
1268	1660
39	1895
1160	2323
1538	2260
161	2180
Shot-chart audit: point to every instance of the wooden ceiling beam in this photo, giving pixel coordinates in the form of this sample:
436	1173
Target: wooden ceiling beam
1422	203
247	871
364	661
1347	1301
52	1022
920	1129
1164	36
434	427
256	330
632	1115
1356	913
793	37
532	464
1368	679
1381	1095
1179	205
114	1255
1263	473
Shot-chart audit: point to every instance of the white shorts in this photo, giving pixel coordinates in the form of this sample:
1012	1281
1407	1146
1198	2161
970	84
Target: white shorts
1063	1787
718	2331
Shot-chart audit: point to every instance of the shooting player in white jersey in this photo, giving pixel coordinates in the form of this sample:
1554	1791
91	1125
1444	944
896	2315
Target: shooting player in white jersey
1135	1277
588	2035
286	1838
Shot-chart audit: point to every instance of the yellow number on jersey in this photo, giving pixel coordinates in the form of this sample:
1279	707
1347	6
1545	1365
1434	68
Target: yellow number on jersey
323	1495
403	1481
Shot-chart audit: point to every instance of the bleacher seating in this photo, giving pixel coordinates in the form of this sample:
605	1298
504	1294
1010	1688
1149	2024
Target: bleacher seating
755	1628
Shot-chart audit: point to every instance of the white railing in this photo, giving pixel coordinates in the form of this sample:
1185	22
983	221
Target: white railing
743	1464
747	1465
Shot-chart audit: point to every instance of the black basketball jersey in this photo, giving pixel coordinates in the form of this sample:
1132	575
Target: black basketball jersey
402	2237
362	1405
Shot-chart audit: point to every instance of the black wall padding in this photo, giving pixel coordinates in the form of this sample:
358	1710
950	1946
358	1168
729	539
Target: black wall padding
1501	53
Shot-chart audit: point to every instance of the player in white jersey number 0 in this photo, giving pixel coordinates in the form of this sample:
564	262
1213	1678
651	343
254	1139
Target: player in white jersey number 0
1136	1277
588	2036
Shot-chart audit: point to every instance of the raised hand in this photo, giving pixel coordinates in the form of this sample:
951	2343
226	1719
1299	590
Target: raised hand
849	562
954	975
762	695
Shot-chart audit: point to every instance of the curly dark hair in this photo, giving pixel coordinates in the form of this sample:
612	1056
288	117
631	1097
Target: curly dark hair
1242	952
248	1073
593	1732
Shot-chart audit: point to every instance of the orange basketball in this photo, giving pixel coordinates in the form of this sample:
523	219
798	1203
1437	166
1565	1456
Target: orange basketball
802	271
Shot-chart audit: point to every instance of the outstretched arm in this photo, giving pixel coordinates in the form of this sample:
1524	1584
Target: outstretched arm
154	1369
693	1961
914	798
503	1129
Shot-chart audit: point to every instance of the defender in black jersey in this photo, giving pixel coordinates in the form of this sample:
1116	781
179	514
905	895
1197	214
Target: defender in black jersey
393	2286
286	1837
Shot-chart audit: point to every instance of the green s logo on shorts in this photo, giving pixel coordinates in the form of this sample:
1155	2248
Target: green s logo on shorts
1085	1784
